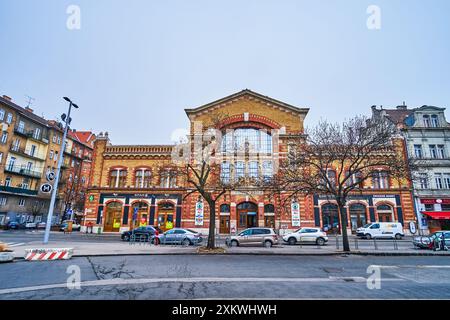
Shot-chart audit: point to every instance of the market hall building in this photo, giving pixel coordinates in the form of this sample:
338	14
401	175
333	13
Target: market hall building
134	185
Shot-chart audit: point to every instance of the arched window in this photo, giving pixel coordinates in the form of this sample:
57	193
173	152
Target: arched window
269	208
225	208
385	213
143	178
253	142
380	179
434	121
168	179
117	178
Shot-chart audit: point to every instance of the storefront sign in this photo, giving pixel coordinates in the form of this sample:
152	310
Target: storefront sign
295	212
435	201
199	213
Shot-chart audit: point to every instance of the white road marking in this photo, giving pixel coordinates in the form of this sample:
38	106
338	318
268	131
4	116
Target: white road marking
414	266
13	244
120	281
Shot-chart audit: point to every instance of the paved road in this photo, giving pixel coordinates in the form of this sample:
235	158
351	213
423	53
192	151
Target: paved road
208	277
20	237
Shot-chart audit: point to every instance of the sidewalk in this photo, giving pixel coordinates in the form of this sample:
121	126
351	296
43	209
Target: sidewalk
123	248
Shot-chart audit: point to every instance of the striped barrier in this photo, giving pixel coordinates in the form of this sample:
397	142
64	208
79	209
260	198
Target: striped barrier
48	254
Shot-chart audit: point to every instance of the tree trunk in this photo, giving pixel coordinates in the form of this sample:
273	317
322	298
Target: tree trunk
212	225
343	215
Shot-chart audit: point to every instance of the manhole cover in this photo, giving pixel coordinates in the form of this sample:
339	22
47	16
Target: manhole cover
333	270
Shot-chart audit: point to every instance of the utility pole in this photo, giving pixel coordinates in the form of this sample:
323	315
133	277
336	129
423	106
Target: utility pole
67	120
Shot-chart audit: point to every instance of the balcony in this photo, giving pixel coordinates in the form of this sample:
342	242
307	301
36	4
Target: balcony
23	171
29	134
25	152
18	190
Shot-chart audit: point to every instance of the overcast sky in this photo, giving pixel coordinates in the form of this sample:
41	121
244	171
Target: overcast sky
134	66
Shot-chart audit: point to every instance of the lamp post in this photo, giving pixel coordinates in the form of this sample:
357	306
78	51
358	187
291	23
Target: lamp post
67	120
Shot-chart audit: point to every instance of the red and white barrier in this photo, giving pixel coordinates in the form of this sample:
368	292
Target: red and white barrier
48	254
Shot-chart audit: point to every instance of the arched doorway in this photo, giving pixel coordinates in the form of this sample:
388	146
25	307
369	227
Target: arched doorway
113	216
139	214
166	211
330	218
385	213
358	217
247	214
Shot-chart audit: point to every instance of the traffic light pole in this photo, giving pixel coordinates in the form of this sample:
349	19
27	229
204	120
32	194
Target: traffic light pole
55	185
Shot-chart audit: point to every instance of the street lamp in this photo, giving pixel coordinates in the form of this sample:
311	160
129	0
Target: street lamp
67	120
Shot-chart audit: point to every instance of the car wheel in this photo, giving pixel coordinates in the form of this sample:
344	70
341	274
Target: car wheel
186	242
368	236
320	241
398	236
234	243
292	241
268	244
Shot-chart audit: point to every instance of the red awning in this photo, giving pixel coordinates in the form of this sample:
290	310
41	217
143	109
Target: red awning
442	215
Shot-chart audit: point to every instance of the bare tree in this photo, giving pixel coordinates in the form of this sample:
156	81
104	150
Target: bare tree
200	163
36	208
337	159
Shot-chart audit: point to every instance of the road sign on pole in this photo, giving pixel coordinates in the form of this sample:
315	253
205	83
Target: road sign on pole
50	176
46	188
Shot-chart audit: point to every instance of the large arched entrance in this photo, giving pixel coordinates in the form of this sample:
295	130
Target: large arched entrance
358	217
330	218
139	214
166	211
113	216
247	215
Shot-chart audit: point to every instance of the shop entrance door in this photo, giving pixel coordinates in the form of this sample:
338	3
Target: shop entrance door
247	213
113	216
224	224
165	216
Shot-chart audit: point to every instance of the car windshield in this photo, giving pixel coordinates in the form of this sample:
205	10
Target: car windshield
191	231
367	225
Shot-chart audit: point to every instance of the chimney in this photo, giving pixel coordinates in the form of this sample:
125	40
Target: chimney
7	97
403	106
29	109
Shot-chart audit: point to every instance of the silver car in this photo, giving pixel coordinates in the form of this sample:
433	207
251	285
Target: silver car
184	237
254	236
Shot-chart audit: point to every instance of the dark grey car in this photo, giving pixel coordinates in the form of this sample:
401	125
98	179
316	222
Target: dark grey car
184	237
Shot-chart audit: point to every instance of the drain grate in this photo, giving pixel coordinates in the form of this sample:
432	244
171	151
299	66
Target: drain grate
333	270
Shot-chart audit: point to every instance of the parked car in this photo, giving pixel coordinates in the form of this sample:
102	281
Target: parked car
142	233
306	235
254	236
426	242
185	237
12	225
381	230
41	225
65	223
30	225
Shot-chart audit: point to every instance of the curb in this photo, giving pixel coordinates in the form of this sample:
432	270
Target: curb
356	253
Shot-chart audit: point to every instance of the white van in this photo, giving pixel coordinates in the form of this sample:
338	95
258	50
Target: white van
381	230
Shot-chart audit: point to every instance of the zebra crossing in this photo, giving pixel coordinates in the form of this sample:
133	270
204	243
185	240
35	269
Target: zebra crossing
14	244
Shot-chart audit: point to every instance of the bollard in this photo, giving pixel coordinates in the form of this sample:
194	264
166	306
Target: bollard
337	242
375	243
356	244
395	244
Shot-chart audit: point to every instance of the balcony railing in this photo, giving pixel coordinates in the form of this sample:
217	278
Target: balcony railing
18	190
25	152
23	171
30	134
